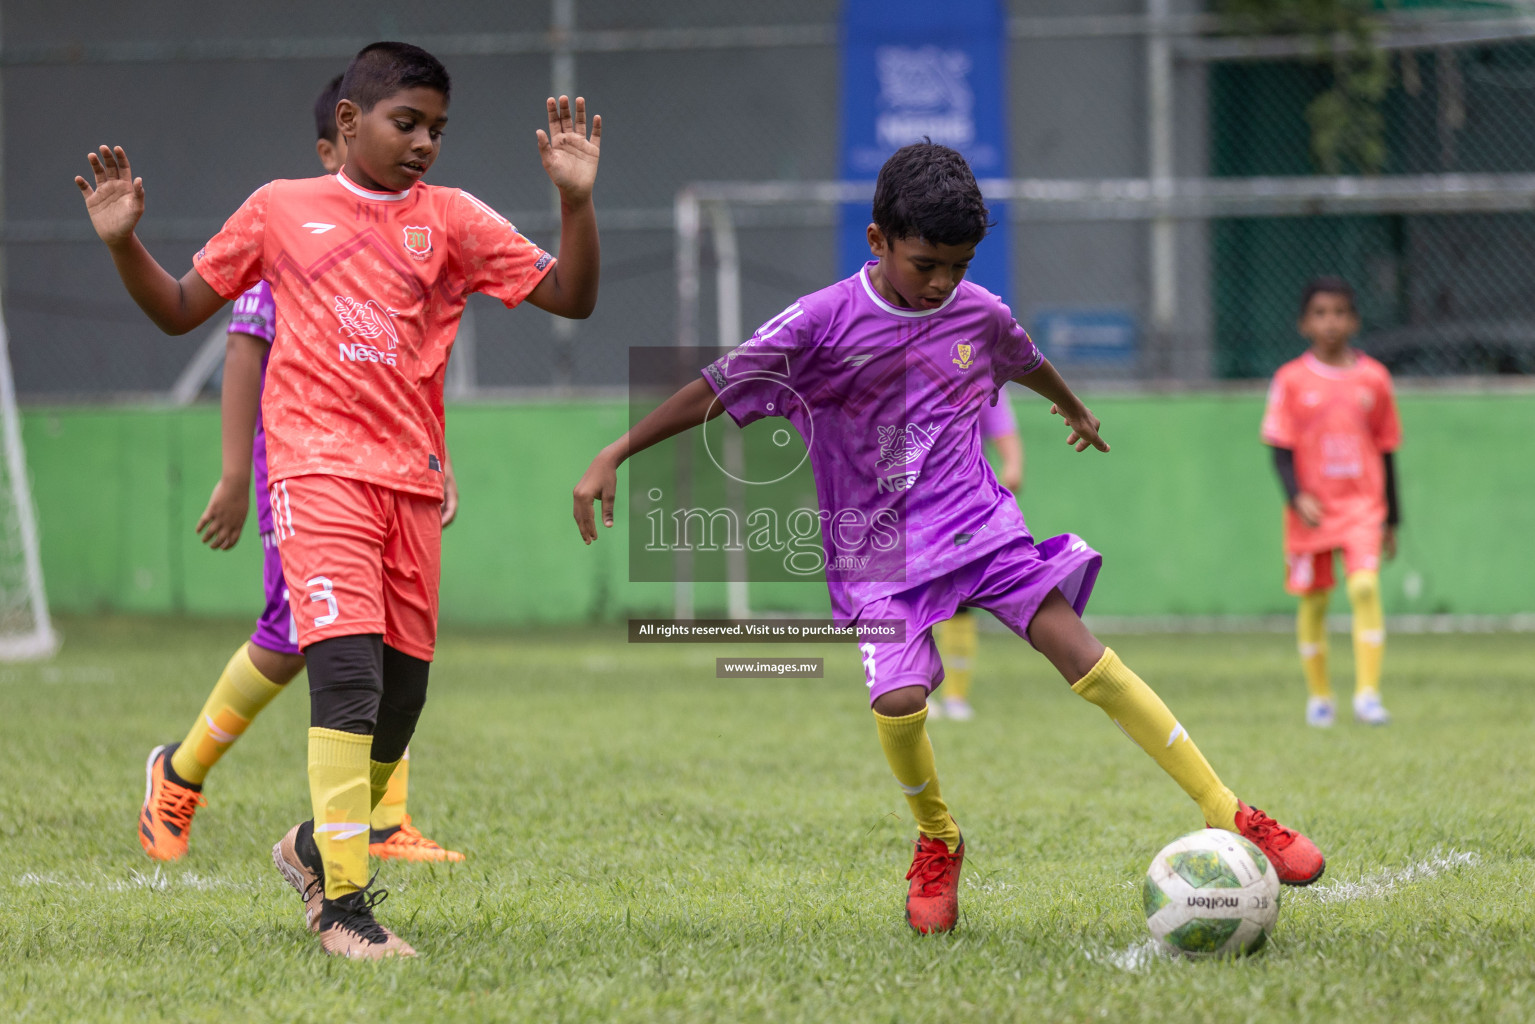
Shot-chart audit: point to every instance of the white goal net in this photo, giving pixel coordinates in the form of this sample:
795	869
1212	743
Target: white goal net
25	629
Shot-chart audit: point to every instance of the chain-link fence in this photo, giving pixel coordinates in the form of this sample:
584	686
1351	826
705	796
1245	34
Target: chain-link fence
1437	293
211	102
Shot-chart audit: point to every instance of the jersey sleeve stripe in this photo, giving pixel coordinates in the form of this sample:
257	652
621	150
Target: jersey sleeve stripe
486	209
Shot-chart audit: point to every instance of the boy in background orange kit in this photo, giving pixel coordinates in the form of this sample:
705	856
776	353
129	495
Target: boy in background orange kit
370	269
1332	423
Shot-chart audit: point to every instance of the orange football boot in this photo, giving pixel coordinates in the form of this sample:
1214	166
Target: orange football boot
407	843
166	817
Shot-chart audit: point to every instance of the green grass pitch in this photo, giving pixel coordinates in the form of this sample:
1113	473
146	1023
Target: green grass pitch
646	842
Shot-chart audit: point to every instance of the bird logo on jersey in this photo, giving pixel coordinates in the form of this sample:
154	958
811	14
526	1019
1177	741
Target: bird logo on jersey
902	446
418	242
366	320
964	352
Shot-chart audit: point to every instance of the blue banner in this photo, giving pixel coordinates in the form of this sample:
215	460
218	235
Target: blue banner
913	69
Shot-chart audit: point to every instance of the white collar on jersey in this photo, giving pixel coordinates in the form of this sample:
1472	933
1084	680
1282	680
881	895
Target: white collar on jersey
1322	369
368	193
868	286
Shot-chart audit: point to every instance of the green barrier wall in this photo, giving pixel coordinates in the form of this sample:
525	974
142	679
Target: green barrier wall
1185	511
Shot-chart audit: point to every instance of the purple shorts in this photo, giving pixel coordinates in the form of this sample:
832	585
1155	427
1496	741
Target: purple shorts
1010	582
275	630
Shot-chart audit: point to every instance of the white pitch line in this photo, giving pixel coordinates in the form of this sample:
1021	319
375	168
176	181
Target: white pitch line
1383	883
1132	958
156	882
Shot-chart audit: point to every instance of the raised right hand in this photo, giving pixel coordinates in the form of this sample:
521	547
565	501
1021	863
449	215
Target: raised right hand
598	483
117	201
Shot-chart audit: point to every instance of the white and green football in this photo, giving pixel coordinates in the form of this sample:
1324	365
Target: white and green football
1211	893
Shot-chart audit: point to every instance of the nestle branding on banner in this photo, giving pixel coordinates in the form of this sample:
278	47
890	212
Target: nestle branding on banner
924	90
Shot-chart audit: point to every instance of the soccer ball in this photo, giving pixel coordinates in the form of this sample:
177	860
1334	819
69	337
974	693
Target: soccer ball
1211	893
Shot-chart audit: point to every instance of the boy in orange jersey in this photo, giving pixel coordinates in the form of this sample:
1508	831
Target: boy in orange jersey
264	665
370	270
1331	421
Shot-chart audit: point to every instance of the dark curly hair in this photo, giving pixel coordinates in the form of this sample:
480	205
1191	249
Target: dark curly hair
927	191
1327	286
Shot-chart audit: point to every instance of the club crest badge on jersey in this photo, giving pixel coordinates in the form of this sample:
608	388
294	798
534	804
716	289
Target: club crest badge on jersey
964	353
418	242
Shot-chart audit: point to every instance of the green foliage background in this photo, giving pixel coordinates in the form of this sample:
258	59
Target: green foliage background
1348	129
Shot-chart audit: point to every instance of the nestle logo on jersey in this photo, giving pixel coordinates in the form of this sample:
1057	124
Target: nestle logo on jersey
901	446
369	321
357	352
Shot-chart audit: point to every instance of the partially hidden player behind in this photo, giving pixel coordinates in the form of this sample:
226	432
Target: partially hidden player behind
910	315
1332	424
263	667
370	270
957	638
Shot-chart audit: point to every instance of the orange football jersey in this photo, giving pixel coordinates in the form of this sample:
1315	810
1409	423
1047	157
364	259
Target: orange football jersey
1339	421
369	288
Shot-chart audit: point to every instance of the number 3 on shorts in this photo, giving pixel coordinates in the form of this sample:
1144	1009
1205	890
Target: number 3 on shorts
323	593
868	663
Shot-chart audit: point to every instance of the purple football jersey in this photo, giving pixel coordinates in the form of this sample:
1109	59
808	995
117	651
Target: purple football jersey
888	401
998	420
256	314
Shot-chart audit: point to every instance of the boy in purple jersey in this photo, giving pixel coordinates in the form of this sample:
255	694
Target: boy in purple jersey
262	668
895	463
957	637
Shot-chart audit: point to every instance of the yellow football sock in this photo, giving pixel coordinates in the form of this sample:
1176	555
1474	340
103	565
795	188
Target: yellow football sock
957	642
910	754
1369	630
1142	716
1311	639
389	807
238	696
340	792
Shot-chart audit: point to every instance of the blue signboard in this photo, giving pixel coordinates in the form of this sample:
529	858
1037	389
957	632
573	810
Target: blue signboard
911	70
1099	335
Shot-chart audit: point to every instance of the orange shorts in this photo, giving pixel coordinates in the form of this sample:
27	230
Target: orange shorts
1309	571
359	558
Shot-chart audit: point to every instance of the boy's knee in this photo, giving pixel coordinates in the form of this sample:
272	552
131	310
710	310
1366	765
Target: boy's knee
1363	586
400	706
907	700
345	683
405	680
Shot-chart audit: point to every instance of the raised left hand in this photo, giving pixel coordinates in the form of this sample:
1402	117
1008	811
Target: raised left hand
568	155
